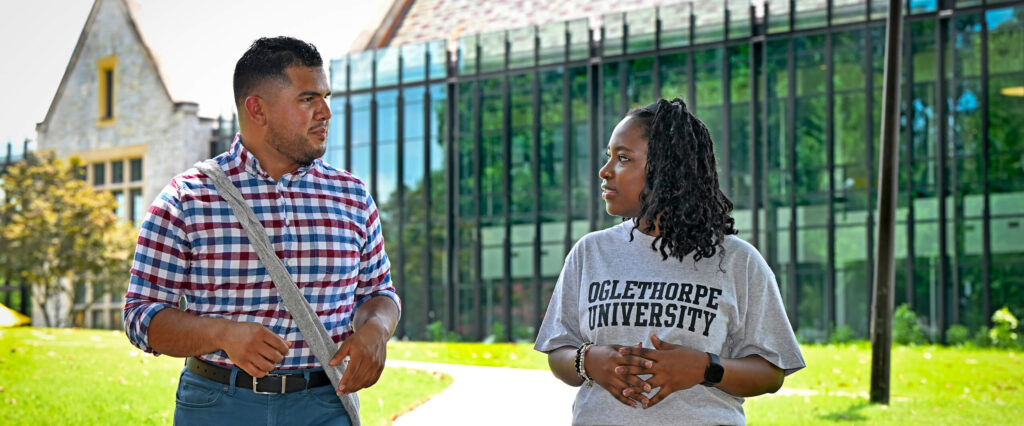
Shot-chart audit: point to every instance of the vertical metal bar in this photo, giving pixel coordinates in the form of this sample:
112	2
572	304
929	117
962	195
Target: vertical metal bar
882	304
595	105
477	193
726	134
451	173
756	50
691	75
400	151
428	205
567	161
909	164
506	188
986	212
535	174
953	157
830	164
869	152
793	298
940	182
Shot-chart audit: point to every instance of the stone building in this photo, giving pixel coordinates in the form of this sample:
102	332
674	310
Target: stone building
113	109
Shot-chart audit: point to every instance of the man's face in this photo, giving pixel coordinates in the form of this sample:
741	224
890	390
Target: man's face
298	115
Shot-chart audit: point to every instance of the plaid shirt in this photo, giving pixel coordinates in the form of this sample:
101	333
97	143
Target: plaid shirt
321	221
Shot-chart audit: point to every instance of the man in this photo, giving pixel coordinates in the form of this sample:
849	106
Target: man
322	223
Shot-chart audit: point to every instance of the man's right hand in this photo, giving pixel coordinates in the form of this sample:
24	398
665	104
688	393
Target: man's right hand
603	363
253	348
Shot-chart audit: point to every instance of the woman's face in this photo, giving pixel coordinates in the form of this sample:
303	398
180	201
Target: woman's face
622	177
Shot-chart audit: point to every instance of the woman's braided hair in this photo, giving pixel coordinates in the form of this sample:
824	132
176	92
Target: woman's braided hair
681	195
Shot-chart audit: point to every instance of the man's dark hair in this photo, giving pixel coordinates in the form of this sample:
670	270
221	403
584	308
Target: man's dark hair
267	58
681	191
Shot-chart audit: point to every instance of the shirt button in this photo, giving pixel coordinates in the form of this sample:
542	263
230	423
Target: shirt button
291	262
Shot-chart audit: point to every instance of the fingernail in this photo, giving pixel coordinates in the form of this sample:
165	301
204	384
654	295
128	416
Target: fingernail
647	388
648	364
626	392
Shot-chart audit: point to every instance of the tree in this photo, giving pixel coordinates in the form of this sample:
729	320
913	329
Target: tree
58	230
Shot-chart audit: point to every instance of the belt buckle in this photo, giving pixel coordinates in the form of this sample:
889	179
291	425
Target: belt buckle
284	380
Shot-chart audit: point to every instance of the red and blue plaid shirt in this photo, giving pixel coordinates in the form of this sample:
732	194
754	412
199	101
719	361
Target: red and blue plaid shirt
321	221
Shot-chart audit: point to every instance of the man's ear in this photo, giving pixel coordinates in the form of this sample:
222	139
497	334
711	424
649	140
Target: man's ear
255	109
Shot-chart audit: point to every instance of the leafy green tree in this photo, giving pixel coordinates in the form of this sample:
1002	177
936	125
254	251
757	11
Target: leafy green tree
57	230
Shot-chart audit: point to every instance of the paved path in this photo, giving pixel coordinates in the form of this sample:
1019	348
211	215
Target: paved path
492	396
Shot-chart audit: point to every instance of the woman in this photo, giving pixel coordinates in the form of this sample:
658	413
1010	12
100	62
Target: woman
668	312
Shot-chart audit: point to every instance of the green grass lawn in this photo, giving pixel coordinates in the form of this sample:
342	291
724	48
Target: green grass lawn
78	377
930	384
63	376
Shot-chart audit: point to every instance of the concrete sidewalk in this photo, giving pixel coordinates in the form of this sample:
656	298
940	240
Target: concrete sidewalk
492	396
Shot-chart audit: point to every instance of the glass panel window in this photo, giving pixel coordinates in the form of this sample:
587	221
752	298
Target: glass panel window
579	39
387	66
339	75
336	142
675	24
492	51
135	167
739	18
438	59
811	14
361	70
467	54
387	149
99	174
709	23
138	207
778	15
552	42
613	31
121	210
414	62
641	27
117	171
846	11
522	46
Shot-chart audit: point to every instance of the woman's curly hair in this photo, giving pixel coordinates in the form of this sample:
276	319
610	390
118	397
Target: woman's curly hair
681	195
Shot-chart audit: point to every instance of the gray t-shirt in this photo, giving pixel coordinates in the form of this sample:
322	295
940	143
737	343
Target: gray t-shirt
614	291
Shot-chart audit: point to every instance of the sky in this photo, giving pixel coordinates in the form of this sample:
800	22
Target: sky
196	42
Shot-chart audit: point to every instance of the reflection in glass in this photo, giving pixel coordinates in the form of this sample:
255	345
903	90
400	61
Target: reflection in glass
641	27
675	24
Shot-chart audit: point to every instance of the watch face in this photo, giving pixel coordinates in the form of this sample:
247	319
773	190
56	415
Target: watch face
714	373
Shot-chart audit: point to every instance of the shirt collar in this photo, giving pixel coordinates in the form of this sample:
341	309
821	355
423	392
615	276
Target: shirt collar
240	156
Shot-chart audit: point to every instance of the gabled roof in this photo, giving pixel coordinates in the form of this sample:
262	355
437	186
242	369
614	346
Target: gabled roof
151	60
427	20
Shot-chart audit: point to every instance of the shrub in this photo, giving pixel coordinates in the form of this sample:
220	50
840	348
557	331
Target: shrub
1004	330
841	334
905	329
957	335
981	338
436	333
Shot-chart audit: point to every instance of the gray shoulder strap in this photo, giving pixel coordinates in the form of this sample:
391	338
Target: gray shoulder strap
312	329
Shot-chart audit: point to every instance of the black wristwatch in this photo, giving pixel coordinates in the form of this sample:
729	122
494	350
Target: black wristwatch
713	374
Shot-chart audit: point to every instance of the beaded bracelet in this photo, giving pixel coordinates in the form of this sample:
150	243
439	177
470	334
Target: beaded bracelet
581	353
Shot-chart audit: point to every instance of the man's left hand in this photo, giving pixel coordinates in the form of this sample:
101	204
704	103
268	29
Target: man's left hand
366	349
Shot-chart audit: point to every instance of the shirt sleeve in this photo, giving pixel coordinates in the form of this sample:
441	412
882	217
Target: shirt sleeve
561	325
374	267
160	268
764	327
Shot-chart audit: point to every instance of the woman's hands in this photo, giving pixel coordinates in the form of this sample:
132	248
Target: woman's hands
672	368
608	366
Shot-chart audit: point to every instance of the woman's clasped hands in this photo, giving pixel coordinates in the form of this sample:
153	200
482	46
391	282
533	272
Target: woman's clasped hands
668	368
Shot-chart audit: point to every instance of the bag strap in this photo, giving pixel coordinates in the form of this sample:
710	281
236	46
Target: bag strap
313	331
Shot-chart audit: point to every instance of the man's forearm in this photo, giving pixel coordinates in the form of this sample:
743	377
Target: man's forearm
177	333
380	311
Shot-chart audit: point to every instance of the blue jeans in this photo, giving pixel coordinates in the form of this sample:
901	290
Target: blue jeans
201	401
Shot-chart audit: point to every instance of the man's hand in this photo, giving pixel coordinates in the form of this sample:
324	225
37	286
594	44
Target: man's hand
253	348
366	349
673	368
610	367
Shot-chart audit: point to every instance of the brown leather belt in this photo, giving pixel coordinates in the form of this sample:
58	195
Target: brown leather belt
271	383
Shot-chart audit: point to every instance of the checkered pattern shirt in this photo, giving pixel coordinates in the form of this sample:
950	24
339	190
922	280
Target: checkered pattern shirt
321	221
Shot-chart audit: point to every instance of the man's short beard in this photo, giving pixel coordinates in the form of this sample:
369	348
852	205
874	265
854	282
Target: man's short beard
295	148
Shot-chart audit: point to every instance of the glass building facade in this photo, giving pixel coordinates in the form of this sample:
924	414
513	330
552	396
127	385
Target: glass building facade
482	153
